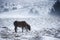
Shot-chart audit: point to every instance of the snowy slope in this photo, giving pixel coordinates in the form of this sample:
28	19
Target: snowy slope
37	24
25	7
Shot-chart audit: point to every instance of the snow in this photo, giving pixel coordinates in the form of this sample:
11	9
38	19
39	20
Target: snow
36	27
35	13
49	38
25	8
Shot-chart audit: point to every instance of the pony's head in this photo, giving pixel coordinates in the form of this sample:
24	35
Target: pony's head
28	27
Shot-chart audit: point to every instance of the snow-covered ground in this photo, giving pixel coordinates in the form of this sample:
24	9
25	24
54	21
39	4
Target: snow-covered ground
36	13
39	27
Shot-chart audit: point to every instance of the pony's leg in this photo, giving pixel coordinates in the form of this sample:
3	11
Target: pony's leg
22	29
26	29
16	29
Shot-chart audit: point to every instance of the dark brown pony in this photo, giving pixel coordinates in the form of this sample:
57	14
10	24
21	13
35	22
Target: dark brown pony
21	24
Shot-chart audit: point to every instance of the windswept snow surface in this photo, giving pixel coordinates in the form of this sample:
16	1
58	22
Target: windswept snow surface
37	25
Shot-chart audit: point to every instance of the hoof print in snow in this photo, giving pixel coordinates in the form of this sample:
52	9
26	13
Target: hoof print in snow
4	37
13	4
1	6
57	35
6	4
6	10
4	27
17	36
14	8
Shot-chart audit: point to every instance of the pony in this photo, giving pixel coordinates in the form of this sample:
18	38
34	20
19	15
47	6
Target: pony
21	24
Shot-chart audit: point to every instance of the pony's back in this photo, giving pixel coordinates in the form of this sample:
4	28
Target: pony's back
20	23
